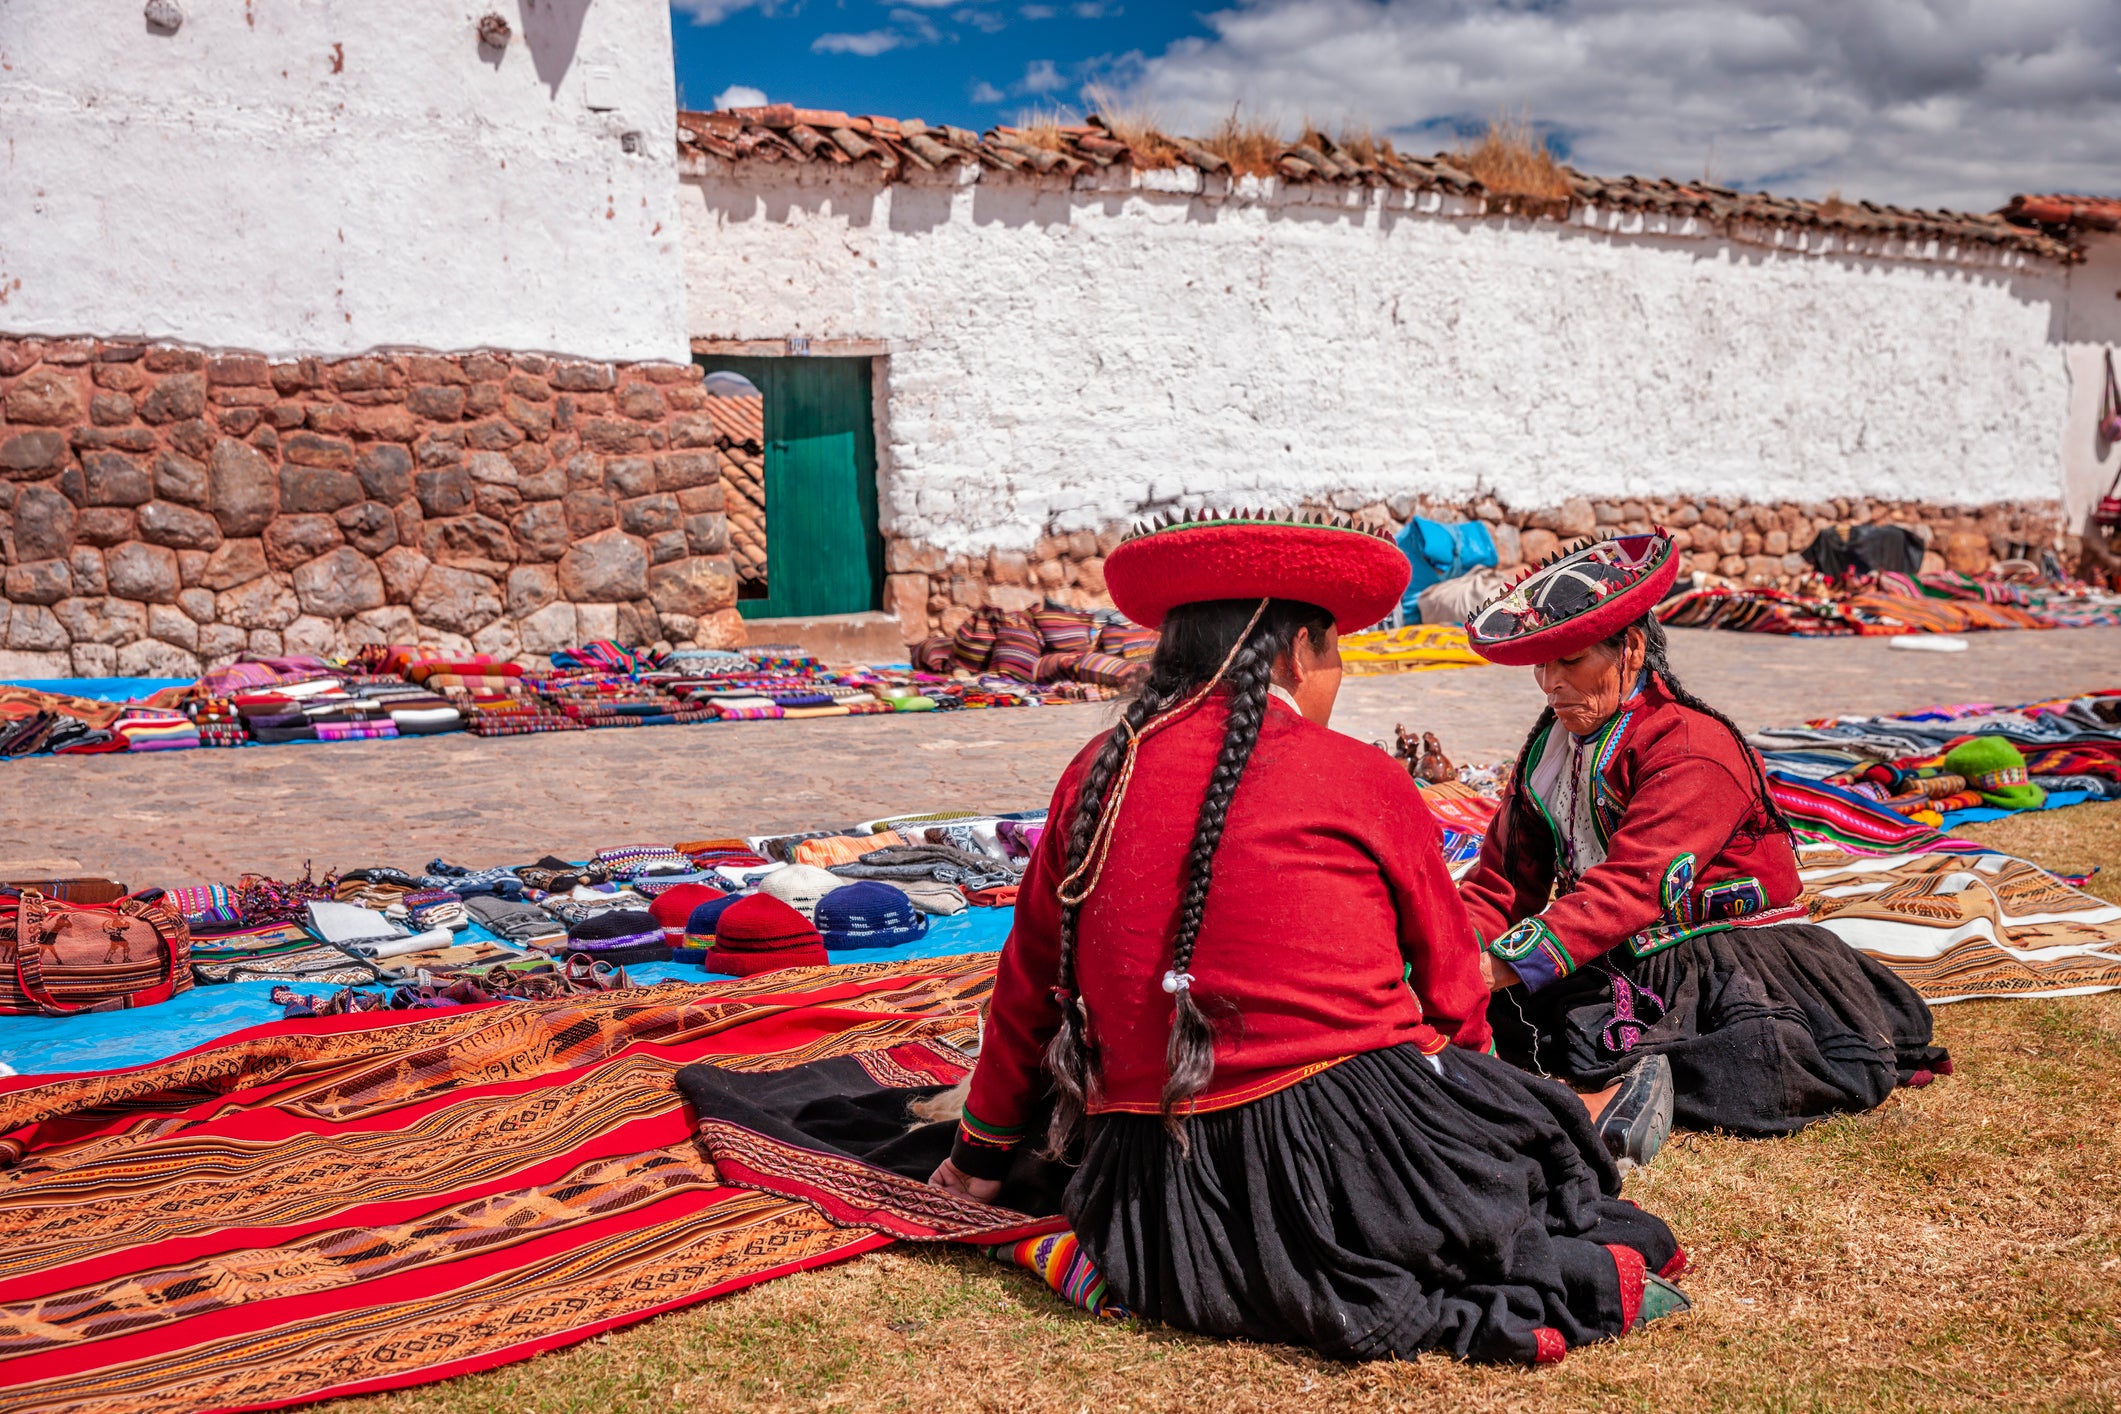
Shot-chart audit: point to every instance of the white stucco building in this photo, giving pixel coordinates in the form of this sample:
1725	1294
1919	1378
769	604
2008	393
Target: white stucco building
342	175
977	355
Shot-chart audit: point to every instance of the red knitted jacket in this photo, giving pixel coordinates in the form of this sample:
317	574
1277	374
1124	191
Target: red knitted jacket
1689	849
1332	928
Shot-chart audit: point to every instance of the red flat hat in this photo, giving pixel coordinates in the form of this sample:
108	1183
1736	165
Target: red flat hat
1353	573
1584	597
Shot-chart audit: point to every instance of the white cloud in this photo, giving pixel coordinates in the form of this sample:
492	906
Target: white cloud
868	45
1041	77
1918	102
984	92
985	21
713	12
1037	12
739	95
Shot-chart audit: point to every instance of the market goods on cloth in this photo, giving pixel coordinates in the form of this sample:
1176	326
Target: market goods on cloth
348	1204
1958	926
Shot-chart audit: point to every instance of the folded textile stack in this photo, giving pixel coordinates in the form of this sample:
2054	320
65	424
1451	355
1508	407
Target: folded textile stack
155	729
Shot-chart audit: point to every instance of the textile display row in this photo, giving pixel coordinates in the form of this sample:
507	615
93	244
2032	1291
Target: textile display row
388	692
1890	603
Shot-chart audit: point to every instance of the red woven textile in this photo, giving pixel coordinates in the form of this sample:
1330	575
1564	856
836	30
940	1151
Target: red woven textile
343	1205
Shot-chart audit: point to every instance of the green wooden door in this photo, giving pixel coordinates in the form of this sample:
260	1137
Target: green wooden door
823	553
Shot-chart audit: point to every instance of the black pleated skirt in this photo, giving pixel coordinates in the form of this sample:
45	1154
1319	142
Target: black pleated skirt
1768	1029
1377	1209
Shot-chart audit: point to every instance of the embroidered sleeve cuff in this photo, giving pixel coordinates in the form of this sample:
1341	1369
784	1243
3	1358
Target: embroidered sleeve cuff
984	1150
1534	953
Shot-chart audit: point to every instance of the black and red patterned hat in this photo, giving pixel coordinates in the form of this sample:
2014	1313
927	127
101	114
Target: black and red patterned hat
1354	573
1584	596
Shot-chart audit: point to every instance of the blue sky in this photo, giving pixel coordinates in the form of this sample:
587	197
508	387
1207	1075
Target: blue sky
974	63
1954	103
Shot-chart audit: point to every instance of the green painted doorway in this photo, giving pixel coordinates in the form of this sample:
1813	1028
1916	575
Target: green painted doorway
823	553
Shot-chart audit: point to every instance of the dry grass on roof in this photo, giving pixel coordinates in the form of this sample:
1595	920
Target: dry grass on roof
1135	124
1958	1248
1047	129
1249	142
1361	143
1512	160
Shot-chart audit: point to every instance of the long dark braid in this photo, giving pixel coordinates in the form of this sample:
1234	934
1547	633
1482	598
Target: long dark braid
1195	641
1656	658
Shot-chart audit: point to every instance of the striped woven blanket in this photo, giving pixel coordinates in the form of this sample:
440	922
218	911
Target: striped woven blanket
358	1203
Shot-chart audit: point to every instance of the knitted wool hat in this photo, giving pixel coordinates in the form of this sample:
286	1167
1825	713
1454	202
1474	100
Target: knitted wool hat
800	886
762	934
868	914
615	923
705	919
1996	770
673	907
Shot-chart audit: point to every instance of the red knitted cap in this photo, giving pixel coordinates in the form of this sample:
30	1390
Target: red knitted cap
672	907
1353	573
761	934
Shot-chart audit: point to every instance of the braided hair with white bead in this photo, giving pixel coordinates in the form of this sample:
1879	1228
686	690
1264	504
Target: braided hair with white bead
1200	642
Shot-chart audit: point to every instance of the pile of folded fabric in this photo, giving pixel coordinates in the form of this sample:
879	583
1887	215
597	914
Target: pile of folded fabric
1949	766
1889	603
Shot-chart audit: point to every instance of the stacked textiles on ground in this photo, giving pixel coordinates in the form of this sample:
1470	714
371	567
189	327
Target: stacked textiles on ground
1837	772
1085	649
399	691
1890	604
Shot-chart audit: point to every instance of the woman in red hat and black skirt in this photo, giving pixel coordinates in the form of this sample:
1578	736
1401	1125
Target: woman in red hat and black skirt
1238	970
1637	895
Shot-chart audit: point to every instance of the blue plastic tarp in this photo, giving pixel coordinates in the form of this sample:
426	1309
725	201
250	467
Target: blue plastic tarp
101	689
1437	552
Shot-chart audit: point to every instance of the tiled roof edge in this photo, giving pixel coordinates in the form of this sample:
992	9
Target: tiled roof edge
893	148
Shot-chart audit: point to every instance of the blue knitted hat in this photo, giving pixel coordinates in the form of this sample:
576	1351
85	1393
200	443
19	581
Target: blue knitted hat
699	928
868	914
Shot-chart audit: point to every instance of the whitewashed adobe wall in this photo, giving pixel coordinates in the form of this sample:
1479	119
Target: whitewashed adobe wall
1060	359
2092	328
333	176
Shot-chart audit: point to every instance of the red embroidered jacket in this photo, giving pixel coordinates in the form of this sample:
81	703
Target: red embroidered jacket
1689	849
1332	929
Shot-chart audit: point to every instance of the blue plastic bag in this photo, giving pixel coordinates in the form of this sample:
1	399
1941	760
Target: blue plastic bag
1438	552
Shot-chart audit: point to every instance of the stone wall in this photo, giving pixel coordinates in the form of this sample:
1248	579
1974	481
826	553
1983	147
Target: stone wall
164	509
1729	540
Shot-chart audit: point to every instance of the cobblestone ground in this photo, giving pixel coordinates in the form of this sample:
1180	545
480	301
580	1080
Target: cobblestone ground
202	815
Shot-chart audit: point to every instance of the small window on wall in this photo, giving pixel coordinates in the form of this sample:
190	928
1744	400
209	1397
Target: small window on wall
739	412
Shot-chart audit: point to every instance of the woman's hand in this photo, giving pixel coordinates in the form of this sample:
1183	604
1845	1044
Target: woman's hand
952	1179
1499	973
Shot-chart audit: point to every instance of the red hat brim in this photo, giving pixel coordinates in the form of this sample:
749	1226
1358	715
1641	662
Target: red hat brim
1352	574
1594	625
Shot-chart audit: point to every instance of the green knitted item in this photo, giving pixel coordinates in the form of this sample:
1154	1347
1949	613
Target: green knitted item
1995	770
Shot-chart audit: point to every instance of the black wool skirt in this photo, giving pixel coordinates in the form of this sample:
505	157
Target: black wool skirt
1768	1029
1377	1209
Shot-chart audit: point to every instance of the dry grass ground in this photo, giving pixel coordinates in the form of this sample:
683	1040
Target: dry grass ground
1959	1248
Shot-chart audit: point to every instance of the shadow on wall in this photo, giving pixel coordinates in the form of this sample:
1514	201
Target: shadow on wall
552	29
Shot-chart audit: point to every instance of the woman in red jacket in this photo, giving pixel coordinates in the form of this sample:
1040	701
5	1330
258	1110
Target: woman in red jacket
1637	895
1238	969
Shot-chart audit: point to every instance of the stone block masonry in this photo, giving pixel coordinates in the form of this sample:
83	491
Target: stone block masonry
1726	540
164	509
